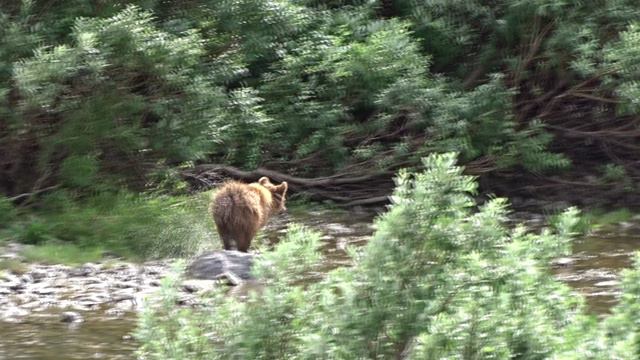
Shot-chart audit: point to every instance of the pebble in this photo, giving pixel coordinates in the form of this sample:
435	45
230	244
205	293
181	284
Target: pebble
39	274
563	261
84	270
607	283
71	317
115	312
196	286
12	313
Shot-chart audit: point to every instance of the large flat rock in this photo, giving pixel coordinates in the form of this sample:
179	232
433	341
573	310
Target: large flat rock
214	265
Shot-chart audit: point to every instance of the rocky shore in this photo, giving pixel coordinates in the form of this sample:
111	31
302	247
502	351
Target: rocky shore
112	287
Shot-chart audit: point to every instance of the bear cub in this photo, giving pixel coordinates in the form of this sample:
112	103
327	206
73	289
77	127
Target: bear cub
240	210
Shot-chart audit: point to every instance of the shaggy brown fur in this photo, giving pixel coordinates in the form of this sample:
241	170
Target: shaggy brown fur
240	210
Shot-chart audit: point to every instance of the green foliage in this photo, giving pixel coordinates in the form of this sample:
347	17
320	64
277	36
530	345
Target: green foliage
79	171
62	253
131	225
8	212
185	332
14	266
309	86
437	280
86	83
596	219
292	259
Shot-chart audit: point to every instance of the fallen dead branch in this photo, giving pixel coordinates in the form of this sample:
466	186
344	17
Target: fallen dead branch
345	189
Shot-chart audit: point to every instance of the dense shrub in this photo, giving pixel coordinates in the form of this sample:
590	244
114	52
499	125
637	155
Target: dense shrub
310	87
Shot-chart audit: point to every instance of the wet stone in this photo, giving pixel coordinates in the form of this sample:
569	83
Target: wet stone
93	280
124	284
186	300
84	270
38	274
152	270
115	312
563	261
43	291
13	314
31	305
71	317
214	265
60	283
607	283
196	286
337	229
10	256
126	305
16	286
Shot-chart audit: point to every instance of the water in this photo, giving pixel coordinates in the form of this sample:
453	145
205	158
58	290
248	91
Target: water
593	270
595	266
44	337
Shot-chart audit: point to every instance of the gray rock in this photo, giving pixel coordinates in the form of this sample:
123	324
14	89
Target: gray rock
38	274
60	283
246	289
115	312
124	285
43	290
31	305
71	317
84	270
11	256
556	206
152	270
126	305
337	229
13	314
16	286
607	283
564	261
186	300
7	277
196	286
214	265
90	299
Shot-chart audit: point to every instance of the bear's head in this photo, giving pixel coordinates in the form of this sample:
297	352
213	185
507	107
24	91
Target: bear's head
278	193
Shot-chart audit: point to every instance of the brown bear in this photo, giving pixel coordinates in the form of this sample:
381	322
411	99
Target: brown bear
240	210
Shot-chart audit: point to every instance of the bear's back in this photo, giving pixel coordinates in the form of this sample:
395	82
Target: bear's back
236	203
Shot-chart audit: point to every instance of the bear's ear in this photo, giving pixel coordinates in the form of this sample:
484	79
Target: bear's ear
264	181
282	188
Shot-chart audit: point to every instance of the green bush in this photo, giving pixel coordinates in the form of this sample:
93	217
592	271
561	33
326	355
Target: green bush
137	226
8	212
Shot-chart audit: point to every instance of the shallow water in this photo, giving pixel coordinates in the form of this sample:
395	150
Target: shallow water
44	337
595	266
593	270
